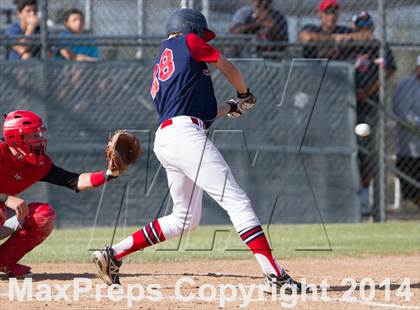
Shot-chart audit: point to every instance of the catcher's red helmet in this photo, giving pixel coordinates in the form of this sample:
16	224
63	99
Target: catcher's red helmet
25	132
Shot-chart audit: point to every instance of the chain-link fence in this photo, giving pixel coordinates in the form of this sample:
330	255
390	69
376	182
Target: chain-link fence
403	135
274	160
124	26
386	37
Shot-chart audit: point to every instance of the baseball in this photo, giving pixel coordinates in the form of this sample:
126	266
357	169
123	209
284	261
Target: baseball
362	130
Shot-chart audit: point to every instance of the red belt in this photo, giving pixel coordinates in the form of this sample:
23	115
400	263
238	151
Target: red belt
169	122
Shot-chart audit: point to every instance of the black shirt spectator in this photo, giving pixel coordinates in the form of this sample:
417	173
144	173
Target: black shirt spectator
367	61
367	64
261	20
328	50
332	35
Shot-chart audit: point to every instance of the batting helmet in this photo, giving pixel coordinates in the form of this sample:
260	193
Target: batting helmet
25	132
189	21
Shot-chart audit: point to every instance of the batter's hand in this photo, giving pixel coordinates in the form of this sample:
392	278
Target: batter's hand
19	205
234	111
246	101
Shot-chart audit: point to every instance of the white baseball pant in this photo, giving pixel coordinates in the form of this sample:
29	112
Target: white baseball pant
193	164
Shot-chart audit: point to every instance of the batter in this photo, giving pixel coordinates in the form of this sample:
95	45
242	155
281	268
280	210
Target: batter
183	94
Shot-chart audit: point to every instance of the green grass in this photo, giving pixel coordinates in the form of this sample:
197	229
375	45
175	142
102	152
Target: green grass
70	245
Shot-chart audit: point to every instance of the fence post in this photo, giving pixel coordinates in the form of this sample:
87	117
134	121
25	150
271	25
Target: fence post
206	9
88	15
141	26
381	179
44	29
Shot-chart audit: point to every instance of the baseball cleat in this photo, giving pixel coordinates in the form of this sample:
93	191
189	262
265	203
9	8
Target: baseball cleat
107	266
17	271
273	284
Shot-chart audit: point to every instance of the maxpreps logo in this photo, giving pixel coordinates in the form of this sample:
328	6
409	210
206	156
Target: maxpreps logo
82	287
187	290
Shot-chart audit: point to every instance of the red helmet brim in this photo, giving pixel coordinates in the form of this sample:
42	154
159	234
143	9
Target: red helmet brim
209	35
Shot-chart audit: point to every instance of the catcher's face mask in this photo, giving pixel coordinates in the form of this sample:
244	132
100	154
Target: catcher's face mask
34	146
31	145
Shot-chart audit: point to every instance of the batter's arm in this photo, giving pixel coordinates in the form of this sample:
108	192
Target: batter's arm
234	76
231	73
223	110
203	52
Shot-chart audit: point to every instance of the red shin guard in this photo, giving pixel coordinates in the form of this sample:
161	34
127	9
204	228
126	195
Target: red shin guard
36	228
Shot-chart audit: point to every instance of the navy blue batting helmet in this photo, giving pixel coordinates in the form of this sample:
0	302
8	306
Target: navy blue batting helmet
189	21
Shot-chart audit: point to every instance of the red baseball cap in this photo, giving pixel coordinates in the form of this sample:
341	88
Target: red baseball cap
325	4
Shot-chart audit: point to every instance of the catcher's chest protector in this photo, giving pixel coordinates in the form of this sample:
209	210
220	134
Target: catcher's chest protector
183	85
18	175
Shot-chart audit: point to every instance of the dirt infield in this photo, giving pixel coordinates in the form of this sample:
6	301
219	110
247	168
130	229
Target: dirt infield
222	280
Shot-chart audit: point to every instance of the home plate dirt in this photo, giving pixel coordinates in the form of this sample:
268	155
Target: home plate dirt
380	282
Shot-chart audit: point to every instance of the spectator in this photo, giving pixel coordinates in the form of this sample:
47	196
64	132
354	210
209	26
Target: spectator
260	19
367	62
28	24
74	22
329	31
406	107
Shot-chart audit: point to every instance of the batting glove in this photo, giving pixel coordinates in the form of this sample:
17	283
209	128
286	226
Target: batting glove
246	101
234	111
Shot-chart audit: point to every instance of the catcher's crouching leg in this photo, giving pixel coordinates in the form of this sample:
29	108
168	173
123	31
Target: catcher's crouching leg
36	228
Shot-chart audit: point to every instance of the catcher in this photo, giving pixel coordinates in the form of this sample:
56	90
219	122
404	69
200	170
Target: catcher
23	162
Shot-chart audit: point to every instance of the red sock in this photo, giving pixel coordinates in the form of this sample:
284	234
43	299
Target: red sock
149	235
255	239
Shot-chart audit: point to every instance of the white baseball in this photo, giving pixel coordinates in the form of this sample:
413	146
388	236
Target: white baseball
362	130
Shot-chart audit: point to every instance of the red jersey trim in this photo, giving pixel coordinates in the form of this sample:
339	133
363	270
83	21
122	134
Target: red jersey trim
200	50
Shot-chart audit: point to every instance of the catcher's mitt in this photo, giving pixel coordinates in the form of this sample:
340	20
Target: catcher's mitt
122	150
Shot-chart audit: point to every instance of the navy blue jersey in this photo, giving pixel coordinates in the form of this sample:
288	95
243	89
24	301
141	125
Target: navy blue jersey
181	83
